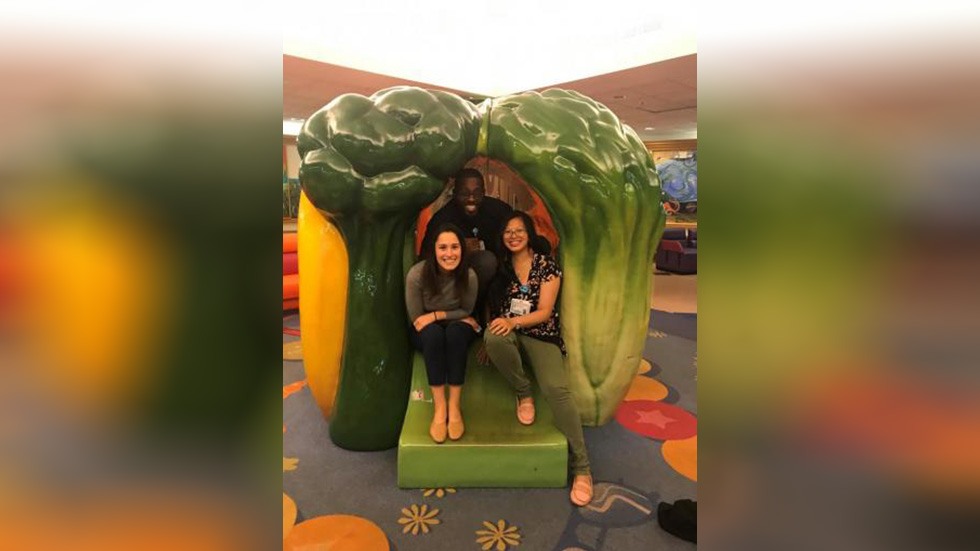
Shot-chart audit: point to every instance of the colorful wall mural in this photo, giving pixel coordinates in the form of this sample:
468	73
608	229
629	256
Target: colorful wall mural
679	181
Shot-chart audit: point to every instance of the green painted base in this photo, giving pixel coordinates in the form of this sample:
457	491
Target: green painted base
495	452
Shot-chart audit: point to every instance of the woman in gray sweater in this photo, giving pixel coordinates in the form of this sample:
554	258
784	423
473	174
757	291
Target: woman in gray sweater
440	292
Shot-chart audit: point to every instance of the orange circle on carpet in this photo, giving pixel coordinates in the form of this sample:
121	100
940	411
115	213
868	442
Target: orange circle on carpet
646	388
336	533
288	514
682	456
645	367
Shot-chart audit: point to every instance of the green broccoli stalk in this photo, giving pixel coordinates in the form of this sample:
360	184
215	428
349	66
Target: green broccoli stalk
372	163
601	187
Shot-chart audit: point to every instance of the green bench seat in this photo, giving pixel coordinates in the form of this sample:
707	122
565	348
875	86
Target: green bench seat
496	451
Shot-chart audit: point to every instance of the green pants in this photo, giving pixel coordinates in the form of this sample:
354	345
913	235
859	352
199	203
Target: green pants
508	354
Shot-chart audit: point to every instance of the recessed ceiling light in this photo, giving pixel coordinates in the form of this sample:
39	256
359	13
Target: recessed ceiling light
649	128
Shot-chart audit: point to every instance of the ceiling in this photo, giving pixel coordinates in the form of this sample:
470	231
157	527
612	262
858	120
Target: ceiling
636	57
658	100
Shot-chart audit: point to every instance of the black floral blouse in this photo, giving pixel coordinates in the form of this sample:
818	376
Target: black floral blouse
543	268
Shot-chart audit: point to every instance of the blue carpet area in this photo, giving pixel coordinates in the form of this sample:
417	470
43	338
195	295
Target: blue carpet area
630	472
679	325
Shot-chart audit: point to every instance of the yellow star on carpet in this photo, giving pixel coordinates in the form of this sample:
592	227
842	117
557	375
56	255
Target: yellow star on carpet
292	351
289	463
418	518
500	535
439	492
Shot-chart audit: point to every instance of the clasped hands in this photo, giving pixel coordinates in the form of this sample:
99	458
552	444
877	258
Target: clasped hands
425	319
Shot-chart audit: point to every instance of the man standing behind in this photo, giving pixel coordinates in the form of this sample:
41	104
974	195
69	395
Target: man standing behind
480	218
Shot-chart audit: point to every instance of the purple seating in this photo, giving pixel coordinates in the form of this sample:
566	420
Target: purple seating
678	251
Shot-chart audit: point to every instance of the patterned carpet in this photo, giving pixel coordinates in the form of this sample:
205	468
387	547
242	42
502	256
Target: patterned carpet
349	501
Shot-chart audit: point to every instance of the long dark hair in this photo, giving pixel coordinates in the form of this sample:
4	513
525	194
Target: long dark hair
505	267
430	271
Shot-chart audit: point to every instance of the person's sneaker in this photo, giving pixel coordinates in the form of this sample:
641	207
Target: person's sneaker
525	411
581	493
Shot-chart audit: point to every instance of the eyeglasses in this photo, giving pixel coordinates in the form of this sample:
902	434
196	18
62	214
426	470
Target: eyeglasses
514	233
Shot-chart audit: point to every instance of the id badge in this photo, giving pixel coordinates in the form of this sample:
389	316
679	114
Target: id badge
474	244
520	307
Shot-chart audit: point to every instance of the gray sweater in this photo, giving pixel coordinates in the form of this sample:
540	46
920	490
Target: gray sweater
419	301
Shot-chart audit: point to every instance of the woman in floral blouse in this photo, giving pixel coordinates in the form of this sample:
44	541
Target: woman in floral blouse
524	312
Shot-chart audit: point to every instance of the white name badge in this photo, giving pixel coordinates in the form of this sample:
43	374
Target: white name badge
474	244
519	307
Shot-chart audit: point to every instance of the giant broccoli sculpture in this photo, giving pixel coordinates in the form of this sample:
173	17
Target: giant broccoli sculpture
601	187
372	163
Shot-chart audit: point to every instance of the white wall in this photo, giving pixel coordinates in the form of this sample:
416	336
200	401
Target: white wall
292	161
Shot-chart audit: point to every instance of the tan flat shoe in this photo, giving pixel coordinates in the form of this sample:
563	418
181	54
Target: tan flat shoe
437	430
525	411
581	493
456	429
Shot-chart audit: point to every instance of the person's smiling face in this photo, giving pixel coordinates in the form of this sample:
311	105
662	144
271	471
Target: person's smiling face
515	235
468	195
448	251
